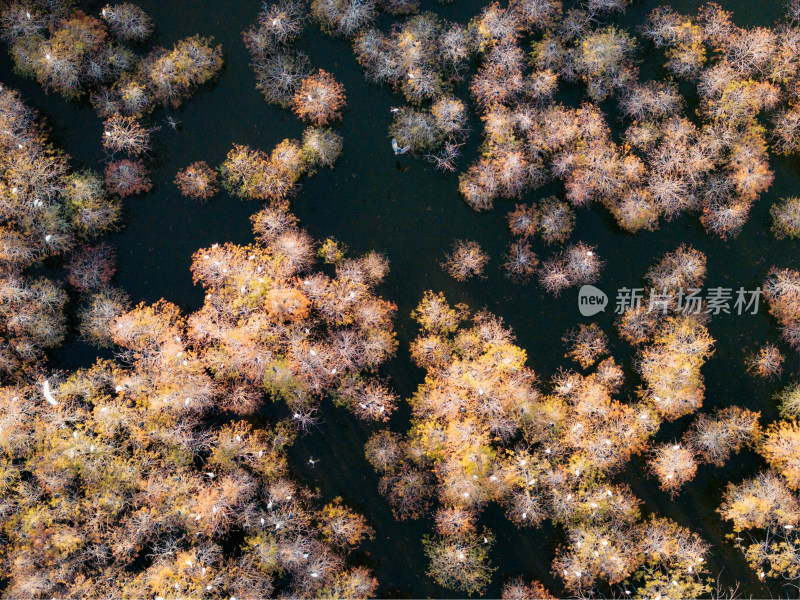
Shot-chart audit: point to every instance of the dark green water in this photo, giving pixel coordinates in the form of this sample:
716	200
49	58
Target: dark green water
414	215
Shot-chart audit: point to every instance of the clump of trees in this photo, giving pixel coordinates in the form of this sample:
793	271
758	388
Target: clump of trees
552	221
48	210
715	437
421	59
279	67
79	55
764	510
669	328
284	74
664	166
113	485
578	264
173	75
484	431
253	174
271	320
32	318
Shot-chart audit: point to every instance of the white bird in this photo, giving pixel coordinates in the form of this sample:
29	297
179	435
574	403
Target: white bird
397	149
47	395
394	109
312	461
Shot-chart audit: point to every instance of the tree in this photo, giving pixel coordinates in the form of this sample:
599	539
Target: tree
198	181
786	218
319	99
767	362
674	465
128	21
523	221
467	260
92	210
518	589
460	562
277	26
520	261
602	61
343	527
125	134
782	291
321	147
92	267
99	312
586	344
127	178
556	220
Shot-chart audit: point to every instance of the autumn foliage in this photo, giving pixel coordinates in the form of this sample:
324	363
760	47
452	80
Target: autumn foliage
198	181
319	99
484	431
178	492
269	319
